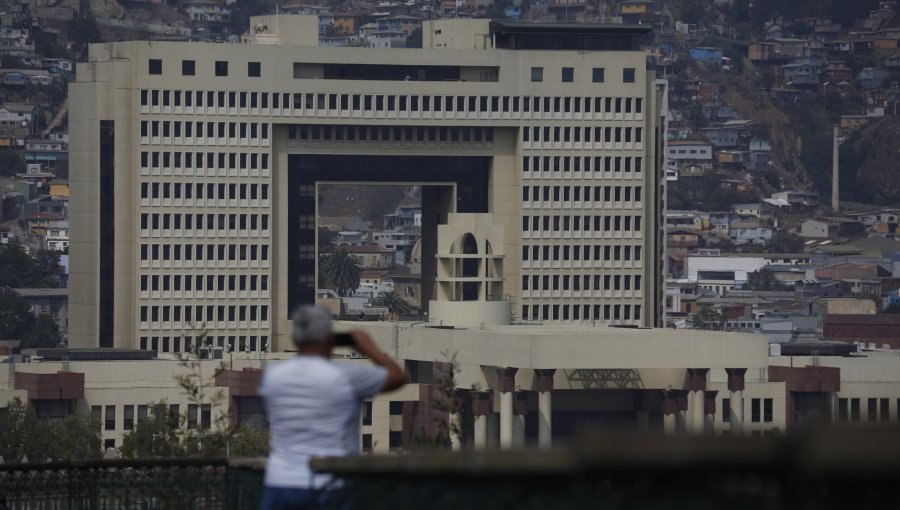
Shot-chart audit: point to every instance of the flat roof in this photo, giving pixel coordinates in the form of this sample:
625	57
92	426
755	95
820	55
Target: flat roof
571	28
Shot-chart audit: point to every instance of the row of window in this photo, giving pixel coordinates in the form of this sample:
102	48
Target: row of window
189	68
211	160
577	164
213	224
598	74
208	313
579	282
582	312
877	409
758	414
587	253
237	102
565	223
177	282
388	134
208	252
203	190
252	343
557	134
198	415
597	194
224	131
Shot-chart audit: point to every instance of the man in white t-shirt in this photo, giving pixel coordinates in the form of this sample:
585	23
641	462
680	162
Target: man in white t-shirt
313	406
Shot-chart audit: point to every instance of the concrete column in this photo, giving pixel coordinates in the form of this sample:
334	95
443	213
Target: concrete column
697	399
480	432
736	387
670	425
545	427
545	407
506	420
482	408
698	403
455	440
506	382
737	413
670	413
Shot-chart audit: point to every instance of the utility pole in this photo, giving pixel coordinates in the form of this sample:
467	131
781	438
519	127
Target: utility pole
835	171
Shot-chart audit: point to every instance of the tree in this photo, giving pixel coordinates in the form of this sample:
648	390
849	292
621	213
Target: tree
393	302
785	242
709	319
11	163
343	271
77	438
414	40
16	318
24	436
44	333
20	270
155	437
84	30
763	279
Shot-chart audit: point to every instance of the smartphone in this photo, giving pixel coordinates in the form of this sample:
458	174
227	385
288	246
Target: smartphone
343	339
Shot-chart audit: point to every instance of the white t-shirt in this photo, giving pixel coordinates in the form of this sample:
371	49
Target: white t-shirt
313	406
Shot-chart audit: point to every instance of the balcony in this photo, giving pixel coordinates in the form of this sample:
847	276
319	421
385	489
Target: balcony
822	468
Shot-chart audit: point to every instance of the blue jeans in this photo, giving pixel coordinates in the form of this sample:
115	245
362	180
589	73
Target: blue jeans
283	498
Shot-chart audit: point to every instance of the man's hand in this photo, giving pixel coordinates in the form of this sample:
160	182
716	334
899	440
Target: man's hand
363	344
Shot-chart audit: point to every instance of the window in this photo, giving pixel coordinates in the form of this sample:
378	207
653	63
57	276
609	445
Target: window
854	409
754	410
253	69
188	68
726	410
628	75
128	417
155	66
568	74
110	422
872	410
367	414
222	68
767	410
598	75
537	74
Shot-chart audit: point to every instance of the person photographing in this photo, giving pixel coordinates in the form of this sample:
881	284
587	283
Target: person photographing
313	406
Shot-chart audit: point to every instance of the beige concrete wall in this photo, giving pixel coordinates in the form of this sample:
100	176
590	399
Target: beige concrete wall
109	87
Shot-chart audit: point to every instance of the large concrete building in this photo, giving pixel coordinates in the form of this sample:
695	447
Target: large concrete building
516	385
195	169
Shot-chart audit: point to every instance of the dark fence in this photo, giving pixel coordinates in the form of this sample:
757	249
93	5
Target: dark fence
180	484
833	469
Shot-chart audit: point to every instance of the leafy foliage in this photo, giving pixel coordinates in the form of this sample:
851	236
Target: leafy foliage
11	163
785	242
342	270
43	333
393	302
19	270
763	279
155	437
25	437
709	319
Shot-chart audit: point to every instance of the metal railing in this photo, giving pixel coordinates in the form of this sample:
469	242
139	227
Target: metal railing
181	484
839	468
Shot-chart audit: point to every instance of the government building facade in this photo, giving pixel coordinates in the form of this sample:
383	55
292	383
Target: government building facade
195	170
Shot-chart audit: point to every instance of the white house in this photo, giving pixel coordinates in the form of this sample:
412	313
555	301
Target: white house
57	238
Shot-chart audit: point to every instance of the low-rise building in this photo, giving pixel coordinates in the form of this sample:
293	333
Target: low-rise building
372	256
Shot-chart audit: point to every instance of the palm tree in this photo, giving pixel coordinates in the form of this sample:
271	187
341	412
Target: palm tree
393	302
343	271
